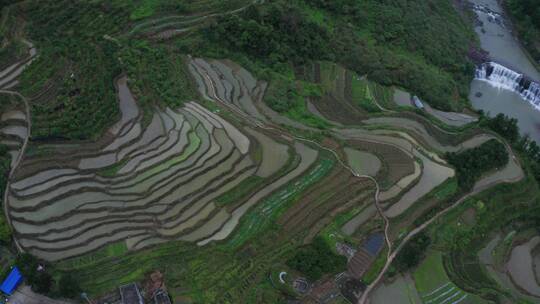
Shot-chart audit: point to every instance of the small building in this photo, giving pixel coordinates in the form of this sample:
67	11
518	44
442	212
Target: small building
345	250
130	294
12	281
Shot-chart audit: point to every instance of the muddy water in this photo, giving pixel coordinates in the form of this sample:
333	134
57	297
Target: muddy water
367	213
363	163
496	38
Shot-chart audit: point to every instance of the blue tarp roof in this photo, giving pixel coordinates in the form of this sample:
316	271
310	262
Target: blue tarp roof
12	281
374	243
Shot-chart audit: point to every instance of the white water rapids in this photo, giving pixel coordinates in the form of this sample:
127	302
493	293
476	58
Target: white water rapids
502	77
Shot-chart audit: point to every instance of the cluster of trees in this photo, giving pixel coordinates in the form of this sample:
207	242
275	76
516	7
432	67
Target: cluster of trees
508	128
526	18
317	259
277	32
472	163
70	39
157	75
37	275
412	253
419	45
396	47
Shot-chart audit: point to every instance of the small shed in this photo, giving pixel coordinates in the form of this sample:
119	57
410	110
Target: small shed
12	281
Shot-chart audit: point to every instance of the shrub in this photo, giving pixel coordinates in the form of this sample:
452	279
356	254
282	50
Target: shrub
317	259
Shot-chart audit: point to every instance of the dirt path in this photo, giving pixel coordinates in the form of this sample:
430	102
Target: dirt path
18	160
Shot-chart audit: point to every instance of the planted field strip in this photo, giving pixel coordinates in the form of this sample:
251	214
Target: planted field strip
159	185
446	293
337	104
229	83
396	164
169	26
332	193
262	215
308	157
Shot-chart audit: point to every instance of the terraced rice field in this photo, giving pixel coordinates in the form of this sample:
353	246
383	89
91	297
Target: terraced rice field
396	164
337	105
258	218
433	174
143	187
520	267
425	136
231	85
166	27
363	163
13	131
337	193
8	76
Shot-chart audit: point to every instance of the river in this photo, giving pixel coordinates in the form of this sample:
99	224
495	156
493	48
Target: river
503	89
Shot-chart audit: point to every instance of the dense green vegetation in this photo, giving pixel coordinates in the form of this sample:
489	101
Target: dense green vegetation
158	75
472	163
507	206
507	128
526	18
428	60
317	259
70	39
412	253
38	274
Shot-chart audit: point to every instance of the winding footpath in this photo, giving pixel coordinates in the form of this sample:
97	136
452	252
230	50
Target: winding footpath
18	160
